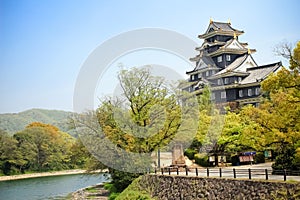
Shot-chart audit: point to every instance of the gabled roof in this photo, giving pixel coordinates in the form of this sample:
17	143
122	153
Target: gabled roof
204	62
232	46
216	28
206	44
260	73
235	64
238	67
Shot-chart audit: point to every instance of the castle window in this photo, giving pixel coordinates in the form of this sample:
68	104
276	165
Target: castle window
219	81
240	93
213	96
194	77
249	92
220	59
226	80
228	58
239	79
223	95
257	91
207	73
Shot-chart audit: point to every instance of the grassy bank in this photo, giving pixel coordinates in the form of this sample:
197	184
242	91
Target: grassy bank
91	192
134	191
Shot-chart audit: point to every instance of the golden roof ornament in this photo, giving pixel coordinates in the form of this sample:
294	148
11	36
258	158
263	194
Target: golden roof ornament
210	20
229	21
234	35
249	51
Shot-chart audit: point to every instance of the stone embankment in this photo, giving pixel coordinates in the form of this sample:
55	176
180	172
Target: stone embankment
189	188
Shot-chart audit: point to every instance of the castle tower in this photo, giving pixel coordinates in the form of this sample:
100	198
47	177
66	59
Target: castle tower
227	66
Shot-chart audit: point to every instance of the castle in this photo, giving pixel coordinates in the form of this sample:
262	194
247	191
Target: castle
226	65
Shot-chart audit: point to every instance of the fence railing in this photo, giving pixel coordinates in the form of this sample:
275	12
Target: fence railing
250	173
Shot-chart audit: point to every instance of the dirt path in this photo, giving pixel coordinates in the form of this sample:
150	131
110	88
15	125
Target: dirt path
42	174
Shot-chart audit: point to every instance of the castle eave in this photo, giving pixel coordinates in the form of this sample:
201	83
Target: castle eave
220	32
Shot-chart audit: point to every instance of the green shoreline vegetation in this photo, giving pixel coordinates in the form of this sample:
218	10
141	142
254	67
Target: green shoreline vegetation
42	148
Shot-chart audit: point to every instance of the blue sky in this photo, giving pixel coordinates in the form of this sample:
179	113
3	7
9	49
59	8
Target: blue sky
43	44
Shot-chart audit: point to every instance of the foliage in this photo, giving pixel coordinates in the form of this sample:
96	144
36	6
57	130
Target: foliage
133	192
121	179
146	116
275	124
44	147
190	153
40	147
10	156
259	157
201	159
277	116
209	124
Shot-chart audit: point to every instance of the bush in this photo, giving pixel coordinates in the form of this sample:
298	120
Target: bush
121	179
286	158
133	191
190	153
110	187
201	159
235	161
259	157
113	196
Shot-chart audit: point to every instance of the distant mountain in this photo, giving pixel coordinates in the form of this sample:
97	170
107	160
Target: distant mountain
15	122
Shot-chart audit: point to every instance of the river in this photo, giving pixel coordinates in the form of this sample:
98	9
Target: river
51	187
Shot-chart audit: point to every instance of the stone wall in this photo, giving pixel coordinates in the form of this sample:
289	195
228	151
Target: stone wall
190	188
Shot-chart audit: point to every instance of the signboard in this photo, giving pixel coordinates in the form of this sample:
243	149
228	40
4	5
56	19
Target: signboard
246	158
268	154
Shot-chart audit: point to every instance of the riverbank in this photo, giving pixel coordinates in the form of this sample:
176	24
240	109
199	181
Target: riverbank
92	192
44	174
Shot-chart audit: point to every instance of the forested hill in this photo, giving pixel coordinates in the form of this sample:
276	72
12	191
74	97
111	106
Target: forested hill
15	122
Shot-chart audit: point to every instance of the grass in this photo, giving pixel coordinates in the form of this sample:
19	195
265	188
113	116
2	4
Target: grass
133	192
92	189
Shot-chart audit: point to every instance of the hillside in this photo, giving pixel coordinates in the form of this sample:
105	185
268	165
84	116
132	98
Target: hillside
14	122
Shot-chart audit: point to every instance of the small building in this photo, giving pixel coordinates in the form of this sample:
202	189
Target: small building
226	65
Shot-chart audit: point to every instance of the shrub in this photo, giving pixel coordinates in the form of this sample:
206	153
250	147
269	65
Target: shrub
134	191
259	157
201	159
235	161
190	153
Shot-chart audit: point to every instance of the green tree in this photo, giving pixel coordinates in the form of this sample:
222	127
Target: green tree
148	108
278	114
11	160
146	116
44	147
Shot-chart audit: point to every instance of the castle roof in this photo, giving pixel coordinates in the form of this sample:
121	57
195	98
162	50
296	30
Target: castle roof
232	46
258	74
240	65
204	62
217	28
